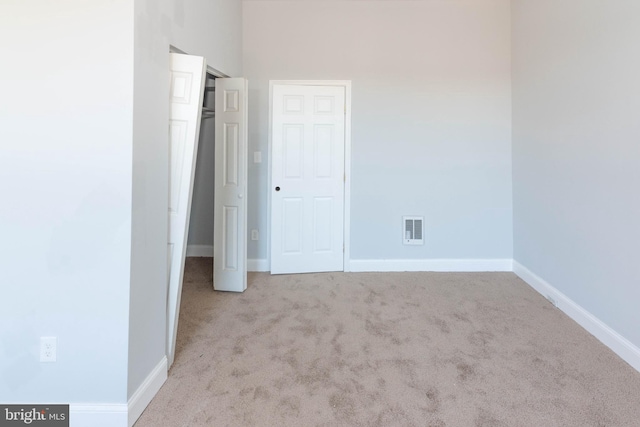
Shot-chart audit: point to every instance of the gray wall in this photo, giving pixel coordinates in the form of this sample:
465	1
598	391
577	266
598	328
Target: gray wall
431	116
201	27
576	152
201	222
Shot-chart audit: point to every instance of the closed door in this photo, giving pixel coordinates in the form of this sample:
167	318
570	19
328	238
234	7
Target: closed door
308	177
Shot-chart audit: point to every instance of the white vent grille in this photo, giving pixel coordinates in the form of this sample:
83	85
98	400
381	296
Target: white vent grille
413	230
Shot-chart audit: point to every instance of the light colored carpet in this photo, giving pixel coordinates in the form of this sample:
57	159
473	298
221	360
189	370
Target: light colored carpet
399	349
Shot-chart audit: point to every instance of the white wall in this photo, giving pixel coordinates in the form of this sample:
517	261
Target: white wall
431	116
85	186
65	179
207	28
576	152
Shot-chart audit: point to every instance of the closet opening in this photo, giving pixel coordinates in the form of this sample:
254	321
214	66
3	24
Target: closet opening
207	125
200	238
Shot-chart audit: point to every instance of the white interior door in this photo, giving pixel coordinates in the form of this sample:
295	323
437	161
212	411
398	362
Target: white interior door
230	200
307	177
188	75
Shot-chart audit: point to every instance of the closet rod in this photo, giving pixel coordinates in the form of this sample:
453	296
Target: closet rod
207	113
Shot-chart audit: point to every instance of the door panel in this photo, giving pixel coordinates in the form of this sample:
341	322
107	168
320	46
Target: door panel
323	140
322	208
308	143
230	211
230	238
293	213
186	94
230	154
293	151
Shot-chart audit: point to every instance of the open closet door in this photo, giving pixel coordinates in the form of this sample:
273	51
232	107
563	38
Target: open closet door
188	74
230	205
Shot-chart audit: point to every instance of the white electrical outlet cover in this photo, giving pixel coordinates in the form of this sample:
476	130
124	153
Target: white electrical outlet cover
48	349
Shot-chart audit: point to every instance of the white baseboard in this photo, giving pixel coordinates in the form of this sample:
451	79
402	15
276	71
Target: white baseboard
258	264
200	251
441	265
120	415
147	390
368	265
88	415
616	342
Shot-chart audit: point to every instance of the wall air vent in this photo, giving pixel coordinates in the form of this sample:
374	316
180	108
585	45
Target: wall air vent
413	230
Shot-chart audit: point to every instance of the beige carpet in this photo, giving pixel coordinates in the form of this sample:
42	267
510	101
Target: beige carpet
373	349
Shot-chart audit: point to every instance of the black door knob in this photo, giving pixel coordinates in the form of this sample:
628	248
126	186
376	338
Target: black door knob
277	188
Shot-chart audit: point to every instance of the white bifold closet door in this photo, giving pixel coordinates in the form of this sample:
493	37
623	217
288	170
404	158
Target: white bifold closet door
188	74
230	200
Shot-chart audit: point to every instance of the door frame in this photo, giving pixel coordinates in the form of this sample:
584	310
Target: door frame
346	84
